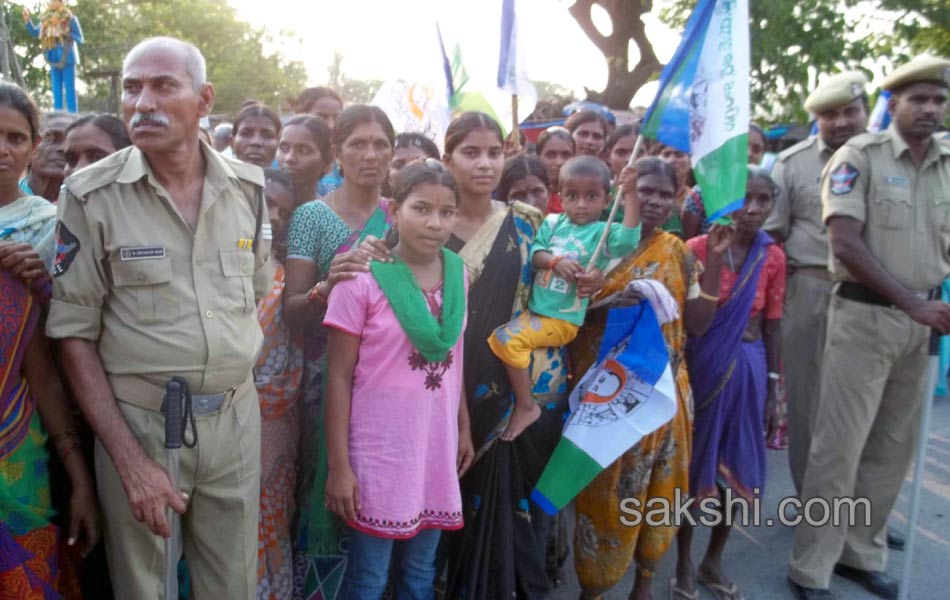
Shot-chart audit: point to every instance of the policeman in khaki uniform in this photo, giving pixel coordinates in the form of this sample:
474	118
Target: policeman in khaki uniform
886	203
160	259
841	109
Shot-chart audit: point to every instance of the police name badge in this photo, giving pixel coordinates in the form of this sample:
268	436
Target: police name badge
898	181
141	252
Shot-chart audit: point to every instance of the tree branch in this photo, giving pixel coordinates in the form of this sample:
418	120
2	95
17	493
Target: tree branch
648	59
581	11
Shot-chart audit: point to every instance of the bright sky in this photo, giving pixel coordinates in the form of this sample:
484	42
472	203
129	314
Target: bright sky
388	39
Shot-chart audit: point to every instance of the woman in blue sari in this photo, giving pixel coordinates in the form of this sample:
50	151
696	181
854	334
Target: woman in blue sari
734	371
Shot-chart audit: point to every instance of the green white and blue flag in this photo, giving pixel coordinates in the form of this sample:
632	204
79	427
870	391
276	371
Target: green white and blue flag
702	107
628	393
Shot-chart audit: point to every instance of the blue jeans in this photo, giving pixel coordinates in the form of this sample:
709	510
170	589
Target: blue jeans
367	568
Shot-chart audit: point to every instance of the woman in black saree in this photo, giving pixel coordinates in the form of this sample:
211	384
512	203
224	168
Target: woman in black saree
501	551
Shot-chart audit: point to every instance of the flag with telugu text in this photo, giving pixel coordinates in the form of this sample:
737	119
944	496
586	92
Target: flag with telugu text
702	106
627	393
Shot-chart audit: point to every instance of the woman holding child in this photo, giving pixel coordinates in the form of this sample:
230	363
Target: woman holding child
659	464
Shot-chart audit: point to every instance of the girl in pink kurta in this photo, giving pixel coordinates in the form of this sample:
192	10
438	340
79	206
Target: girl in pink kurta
397	423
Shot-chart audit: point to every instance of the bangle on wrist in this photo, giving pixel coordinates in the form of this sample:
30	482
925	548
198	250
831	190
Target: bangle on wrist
774	376
709	297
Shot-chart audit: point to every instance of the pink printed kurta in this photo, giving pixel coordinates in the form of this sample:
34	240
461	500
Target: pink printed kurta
403	417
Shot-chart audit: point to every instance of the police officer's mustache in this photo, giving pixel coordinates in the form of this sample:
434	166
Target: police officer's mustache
149	118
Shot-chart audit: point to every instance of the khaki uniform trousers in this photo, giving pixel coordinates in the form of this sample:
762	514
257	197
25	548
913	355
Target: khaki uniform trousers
863	437
803	342
221	476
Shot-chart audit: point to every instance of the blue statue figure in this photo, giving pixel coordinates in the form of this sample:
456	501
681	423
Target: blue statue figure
59	33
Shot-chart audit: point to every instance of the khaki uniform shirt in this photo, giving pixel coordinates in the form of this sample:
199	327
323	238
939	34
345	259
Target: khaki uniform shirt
161	299
905	208
797	213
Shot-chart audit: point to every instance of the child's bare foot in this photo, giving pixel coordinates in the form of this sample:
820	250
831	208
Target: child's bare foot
521	419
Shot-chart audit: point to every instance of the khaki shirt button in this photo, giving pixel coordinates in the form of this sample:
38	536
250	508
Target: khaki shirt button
244	268
209	314
199	260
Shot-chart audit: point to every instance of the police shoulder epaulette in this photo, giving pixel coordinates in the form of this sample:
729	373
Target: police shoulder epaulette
801	146
864	140
245	171
97	175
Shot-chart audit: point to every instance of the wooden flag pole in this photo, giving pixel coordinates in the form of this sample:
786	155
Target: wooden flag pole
515	124
613	211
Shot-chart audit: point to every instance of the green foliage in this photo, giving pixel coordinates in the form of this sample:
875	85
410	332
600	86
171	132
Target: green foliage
358	91
921	25
238	65
552	98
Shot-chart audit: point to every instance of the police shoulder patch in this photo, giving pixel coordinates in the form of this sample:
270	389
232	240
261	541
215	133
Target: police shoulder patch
67	246
843	178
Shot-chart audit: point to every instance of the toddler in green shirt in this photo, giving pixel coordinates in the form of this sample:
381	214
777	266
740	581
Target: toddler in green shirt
562	250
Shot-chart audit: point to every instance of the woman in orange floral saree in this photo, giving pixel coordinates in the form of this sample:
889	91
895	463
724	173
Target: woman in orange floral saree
658	465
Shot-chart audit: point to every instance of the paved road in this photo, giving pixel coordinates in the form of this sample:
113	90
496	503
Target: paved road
756	557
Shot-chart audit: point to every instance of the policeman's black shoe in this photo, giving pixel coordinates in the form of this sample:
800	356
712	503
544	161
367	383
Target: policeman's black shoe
895	539
878	583
807	593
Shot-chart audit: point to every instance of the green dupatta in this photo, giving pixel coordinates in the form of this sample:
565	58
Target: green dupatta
432	338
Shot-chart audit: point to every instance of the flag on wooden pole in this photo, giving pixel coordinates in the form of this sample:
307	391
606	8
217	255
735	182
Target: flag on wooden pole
702	107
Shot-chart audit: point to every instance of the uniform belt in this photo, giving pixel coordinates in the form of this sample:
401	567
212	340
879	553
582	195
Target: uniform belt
816	272
139	392
850	290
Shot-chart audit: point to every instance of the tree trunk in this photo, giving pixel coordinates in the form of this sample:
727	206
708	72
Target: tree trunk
625	17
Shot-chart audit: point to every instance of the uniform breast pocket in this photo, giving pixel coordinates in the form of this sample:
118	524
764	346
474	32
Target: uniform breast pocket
941	216
892	211
149	283
237	265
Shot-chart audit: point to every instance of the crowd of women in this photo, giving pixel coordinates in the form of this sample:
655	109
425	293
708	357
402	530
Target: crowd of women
357	474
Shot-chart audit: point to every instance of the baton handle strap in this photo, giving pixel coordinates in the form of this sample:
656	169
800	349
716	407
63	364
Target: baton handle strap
179	414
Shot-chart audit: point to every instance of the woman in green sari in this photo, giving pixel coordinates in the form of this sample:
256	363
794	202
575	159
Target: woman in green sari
323	249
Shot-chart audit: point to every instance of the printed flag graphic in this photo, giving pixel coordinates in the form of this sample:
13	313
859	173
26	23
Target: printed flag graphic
628	393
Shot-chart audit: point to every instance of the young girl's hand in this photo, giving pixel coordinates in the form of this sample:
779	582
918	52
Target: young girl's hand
466	452
568	269
84	522
343	493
